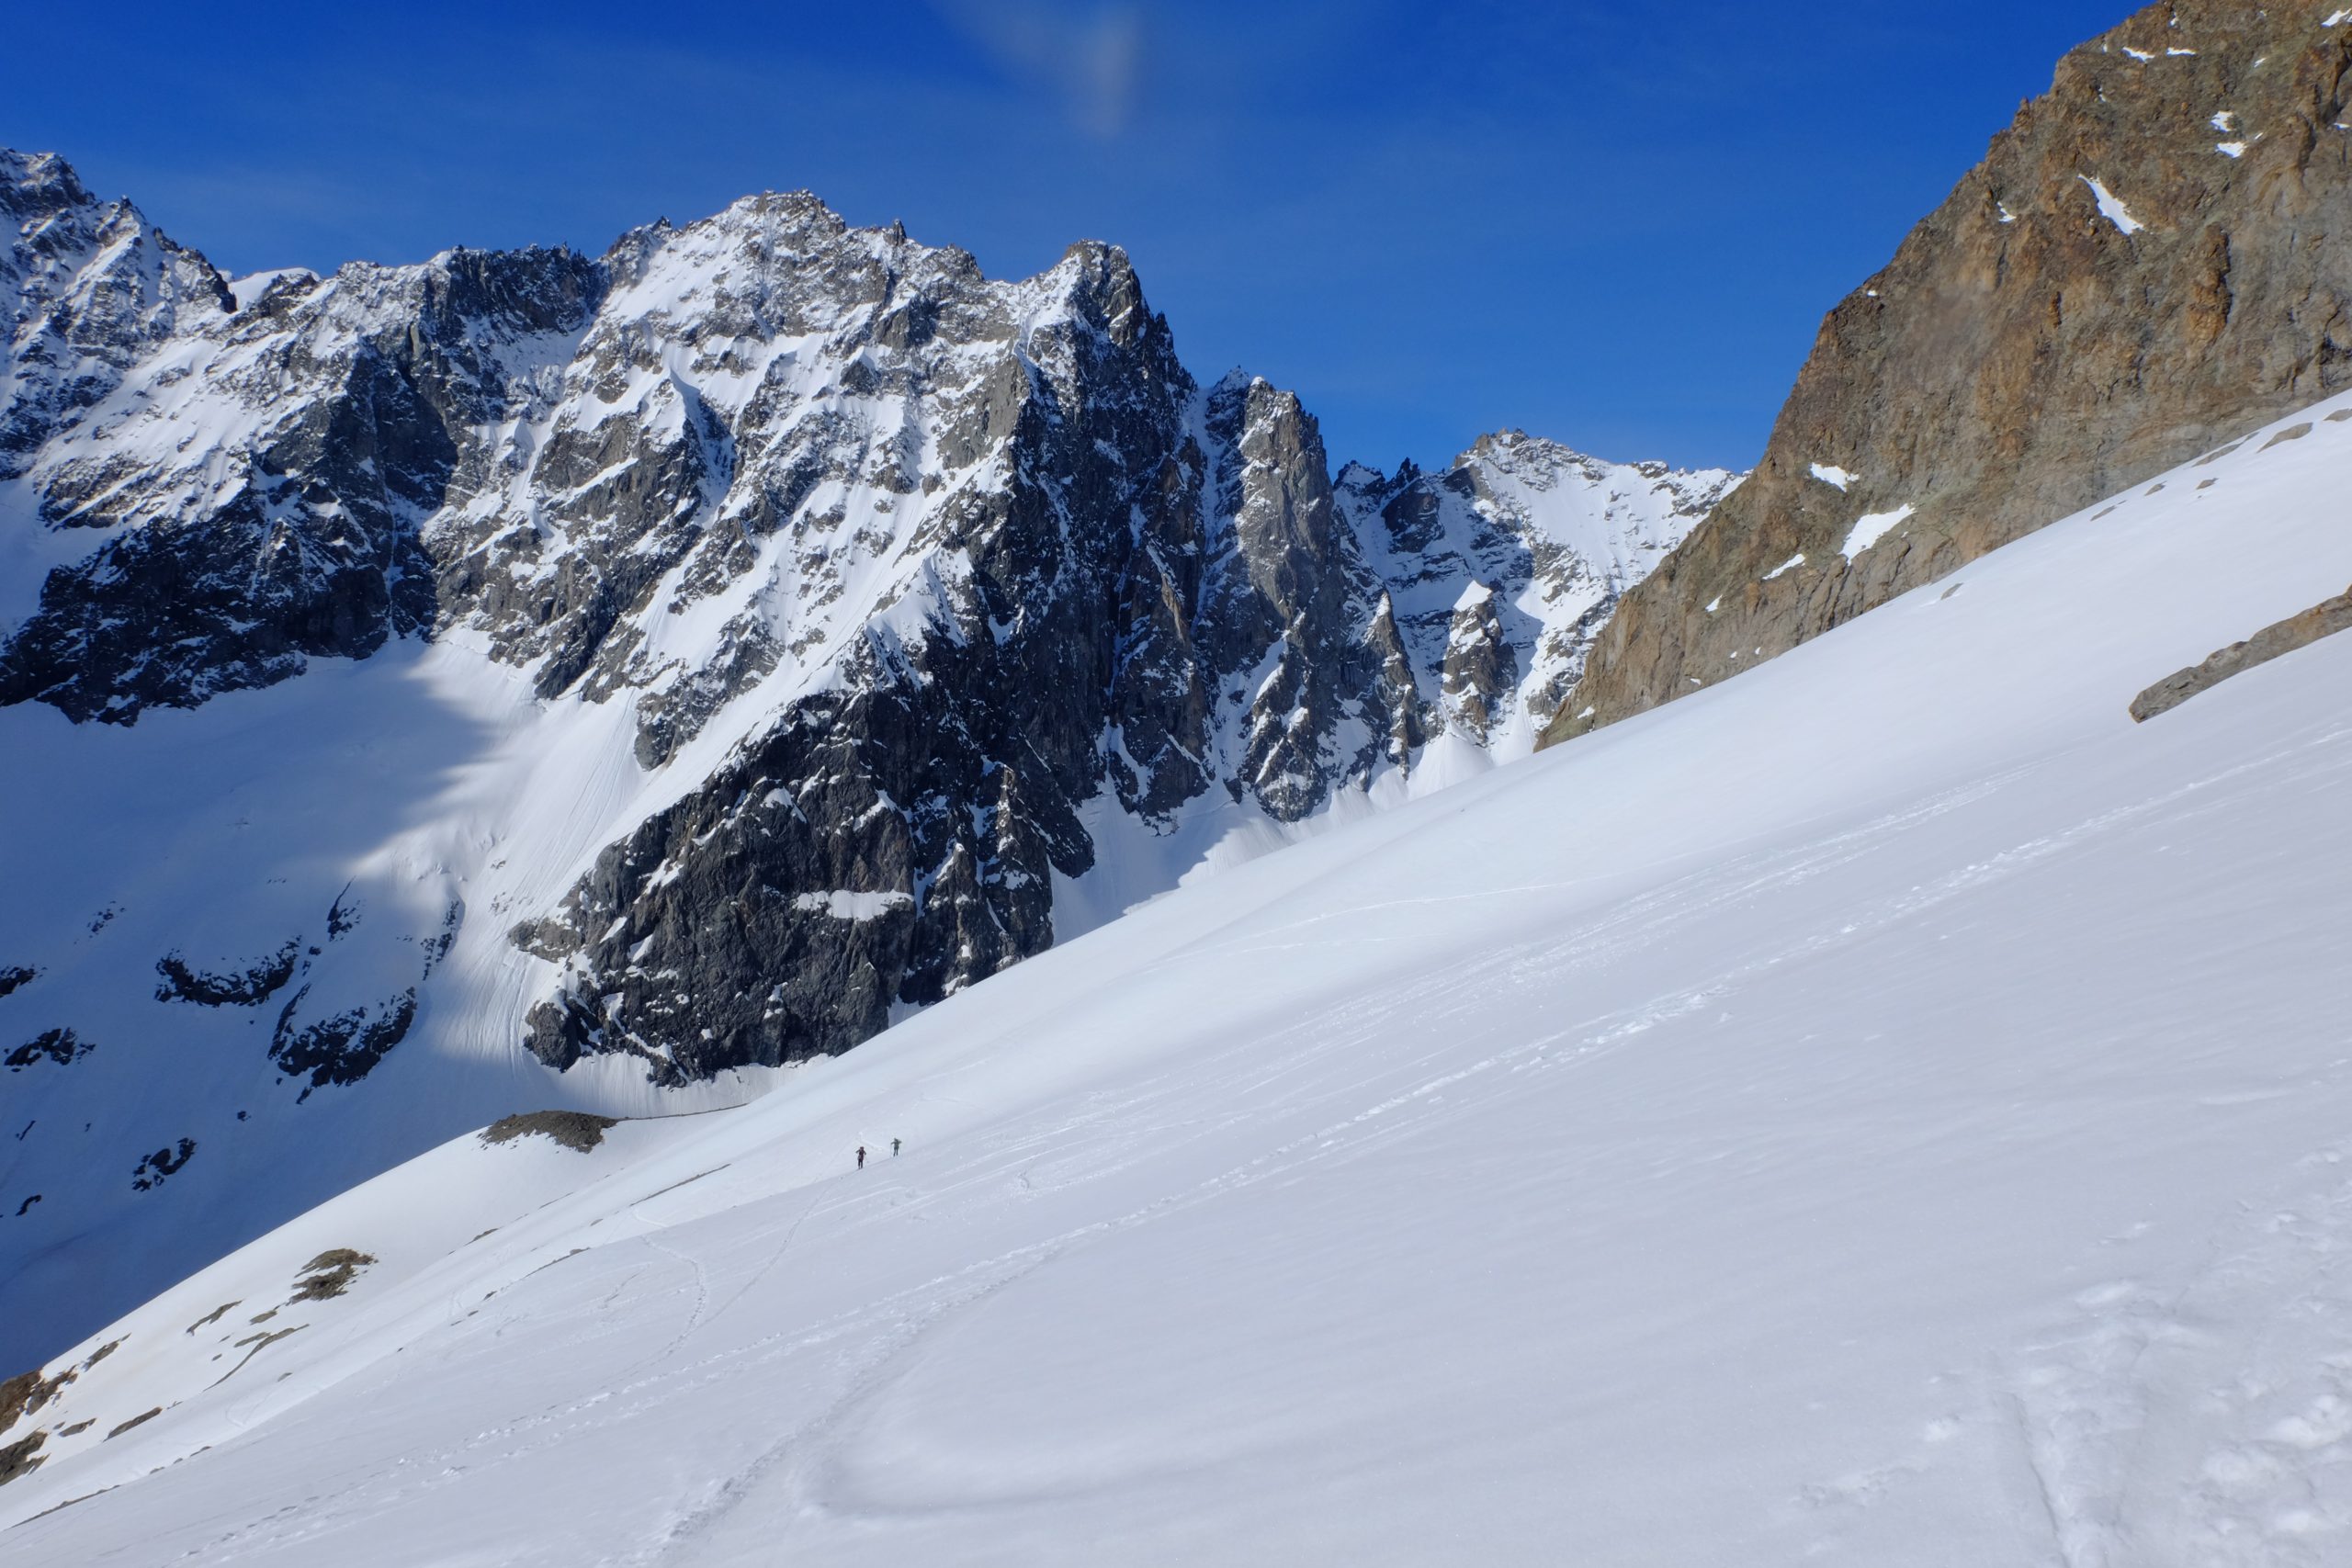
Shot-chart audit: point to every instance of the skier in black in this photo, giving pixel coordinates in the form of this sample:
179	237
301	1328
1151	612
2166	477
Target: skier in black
861	1156
893	1148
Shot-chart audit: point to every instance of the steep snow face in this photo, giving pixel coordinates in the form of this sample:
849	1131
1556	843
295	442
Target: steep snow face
1503	568
707	653
1905	1122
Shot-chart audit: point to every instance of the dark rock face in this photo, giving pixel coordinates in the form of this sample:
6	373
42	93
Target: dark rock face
1479	669
62	1046
342	1047
2144	266
2275	641
162	1163
22	1457
28	1392
893	840
20	1396
249	986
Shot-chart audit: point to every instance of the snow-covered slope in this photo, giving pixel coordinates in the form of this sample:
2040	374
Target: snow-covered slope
1888	1109
438	690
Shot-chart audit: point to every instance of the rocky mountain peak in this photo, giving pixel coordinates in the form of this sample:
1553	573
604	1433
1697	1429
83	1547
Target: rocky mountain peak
1104	289
34	186
89	287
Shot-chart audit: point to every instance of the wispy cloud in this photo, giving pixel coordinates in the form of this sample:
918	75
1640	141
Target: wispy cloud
1089	57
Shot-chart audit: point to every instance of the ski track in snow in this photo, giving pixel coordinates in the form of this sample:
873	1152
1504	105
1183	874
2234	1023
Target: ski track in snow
2131	1410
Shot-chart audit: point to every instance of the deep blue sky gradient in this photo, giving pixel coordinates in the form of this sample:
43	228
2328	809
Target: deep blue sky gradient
1617	224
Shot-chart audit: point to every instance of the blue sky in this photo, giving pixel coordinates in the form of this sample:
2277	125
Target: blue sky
1615	224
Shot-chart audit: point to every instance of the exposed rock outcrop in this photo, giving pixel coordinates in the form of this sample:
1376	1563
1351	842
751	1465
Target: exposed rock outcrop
154	1169
579	1131
329	1274
343	1046
60	1046
2146	265
2274	641
249	986
22	1457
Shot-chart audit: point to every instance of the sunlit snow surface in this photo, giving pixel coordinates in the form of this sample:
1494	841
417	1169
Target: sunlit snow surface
1888	1109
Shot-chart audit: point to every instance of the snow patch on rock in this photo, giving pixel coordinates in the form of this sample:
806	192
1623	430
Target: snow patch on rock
1875	526
2111	206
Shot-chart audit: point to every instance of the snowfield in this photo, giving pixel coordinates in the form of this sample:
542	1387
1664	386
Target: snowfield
1889	1109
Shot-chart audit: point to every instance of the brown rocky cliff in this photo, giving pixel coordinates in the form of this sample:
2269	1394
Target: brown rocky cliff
2150	261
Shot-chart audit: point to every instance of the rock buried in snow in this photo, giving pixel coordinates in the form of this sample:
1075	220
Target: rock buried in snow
62	1046
164	1162
139	1420
2323	619
249	986
329	1274
21	1457
20	1396
28	1392
578	1130
344	1048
